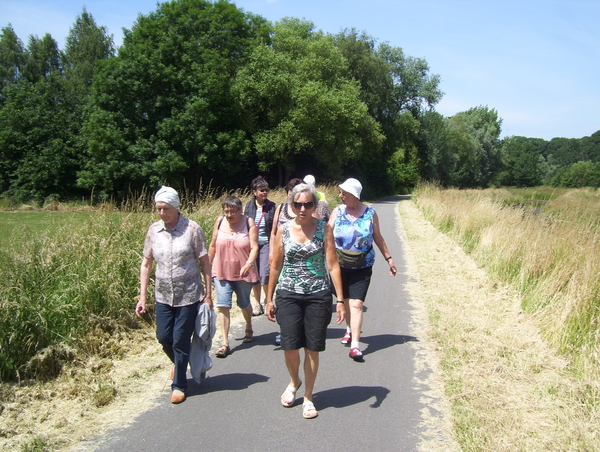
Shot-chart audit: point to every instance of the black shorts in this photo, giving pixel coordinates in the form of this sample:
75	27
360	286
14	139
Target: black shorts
355	282
303	319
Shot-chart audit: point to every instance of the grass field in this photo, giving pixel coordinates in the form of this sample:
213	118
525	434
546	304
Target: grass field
549	251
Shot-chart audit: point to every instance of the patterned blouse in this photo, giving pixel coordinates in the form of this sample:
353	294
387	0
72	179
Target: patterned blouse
356	235
176	251
304	269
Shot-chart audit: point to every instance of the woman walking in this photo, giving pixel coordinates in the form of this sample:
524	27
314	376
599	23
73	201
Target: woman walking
303	267
176	244
355	228
233	251
262	211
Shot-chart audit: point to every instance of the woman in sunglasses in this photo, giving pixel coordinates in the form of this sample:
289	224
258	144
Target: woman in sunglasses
355	228
303	268
262	211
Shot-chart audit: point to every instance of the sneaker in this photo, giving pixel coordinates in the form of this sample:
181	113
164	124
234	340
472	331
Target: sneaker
355	354
278	339
257	309
347	338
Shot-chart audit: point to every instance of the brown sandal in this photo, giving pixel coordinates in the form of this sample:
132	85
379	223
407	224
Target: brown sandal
223	351
248	337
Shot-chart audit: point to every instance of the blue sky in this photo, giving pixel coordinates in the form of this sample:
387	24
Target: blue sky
537	62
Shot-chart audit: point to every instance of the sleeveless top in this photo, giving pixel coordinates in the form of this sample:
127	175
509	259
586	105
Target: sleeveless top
231	253
304	269
284	215
355	235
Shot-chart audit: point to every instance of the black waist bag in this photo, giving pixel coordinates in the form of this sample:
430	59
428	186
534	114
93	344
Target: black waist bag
350	258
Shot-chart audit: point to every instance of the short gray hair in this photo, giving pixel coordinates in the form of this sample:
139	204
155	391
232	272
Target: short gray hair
232	202
303	188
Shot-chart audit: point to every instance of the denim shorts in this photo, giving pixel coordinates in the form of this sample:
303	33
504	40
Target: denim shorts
225	290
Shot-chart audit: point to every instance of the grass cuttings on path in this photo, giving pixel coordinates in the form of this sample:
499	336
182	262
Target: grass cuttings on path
507	389
89	397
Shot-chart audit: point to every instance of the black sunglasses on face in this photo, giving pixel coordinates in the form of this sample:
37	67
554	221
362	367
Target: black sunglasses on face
307	205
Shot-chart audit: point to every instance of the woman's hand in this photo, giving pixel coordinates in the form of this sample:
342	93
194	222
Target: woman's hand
245	270
393	269
270	311
208	301
140	307
340	309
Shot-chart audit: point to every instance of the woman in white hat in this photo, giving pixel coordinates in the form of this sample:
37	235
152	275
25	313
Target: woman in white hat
355	229
176	244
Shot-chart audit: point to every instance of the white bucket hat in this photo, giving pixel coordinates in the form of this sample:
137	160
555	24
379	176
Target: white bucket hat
352	186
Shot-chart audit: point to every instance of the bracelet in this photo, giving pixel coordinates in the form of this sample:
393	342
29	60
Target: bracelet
340	301
388	258
250	262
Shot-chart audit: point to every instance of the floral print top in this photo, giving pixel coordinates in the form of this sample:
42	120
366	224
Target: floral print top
178	281
355	235
304	269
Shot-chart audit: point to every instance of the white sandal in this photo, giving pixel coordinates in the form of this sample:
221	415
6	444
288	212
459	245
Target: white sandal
308	410
289	395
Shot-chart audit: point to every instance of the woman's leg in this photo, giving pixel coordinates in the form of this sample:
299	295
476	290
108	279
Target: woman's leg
224	292
311	367
292	362
242	291
224	323
356	318
165	319
183	328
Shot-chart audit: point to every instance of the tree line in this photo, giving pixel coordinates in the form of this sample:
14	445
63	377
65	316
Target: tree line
204	93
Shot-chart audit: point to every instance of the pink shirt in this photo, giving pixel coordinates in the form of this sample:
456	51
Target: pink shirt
232	250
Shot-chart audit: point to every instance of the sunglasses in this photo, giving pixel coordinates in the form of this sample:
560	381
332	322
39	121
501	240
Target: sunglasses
263	190
307	205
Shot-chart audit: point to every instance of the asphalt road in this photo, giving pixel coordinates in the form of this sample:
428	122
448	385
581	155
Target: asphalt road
375	405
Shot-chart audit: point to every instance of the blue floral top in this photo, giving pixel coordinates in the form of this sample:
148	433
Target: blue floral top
356	235
304	269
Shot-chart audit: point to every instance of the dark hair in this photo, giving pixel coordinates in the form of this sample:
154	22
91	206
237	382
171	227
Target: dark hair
292	183
303	188
232	201
258	182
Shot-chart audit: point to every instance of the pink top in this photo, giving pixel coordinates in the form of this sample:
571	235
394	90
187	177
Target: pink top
232	250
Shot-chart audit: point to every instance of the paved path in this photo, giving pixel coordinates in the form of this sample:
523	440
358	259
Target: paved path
370	406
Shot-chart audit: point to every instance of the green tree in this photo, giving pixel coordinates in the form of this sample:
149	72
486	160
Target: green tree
42	59
437	158
522	165
398	90
302	107
477	133
163	110
12	58
86	45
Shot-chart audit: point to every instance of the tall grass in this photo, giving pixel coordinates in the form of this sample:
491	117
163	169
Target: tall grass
549	251
65	286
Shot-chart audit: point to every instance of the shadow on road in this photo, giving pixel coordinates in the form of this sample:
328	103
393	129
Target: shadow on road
381	341
225	382
350	395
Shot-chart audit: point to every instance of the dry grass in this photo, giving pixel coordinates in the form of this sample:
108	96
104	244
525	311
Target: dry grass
510	390
90	395
506	389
